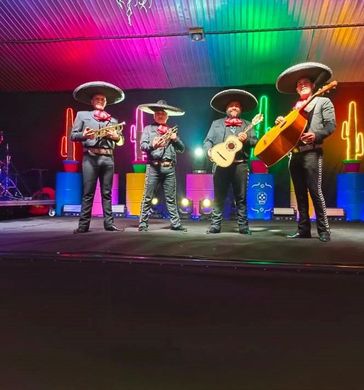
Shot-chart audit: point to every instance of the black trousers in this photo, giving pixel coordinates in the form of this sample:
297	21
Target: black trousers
155	176
306	172
237	176
93	168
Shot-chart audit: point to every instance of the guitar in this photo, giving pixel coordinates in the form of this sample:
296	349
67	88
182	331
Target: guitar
282	138
223	154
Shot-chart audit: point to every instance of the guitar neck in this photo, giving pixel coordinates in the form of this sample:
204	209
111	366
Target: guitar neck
321	91
249	127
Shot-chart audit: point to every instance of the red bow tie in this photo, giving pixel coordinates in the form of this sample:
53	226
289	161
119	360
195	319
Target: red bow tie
233	122
102	116
162	129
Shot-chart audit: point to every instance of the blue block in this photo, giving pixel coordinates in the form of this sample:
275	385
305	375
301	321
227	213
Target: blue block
350	195
68	190
260	196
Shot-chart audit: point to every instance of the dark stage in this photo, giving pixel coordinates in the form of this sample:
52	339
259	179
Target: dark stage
47	237
171	310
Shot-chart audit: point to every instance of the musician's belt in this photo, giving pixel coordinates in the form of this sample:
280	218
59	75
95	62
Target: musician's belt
100	152
306	148
239	161
162	163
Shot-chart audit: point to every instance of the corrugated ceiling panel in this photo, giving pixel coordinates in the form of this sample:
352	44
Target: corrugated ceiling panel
87	40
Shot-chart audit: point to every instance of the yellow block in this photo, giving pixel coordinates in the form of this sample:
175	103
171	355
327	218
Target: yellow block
134	192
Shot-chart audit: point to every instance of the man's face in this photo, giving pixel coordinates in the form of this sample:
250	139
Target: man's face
160	117
98	102
233	109
305	87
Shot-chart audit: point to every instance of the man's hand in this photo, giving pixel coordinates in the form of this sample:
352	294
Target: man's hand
242	137
113	135
173	136
279	120
308	138
158	142
88	133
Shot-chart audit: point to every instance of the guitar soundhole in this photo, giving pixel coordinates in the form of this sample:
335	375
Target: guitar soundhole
231	146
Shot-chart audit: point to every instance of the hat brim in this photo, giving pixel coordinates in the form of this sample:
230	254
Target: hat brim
152	108
220	101
316	72
85	92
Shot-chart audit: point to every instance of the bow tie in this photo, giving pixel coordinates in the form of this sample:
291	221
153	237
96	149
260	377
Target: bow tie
233	122
101	116
162	129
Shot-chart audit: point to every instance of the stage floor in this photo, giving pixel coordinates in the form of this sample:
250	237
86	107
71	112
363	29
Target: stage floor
47	237
170	310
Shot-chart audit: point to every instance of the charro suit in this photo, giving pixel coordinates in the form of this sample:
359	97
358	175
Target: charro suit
236	174
157	174
95	166
305	165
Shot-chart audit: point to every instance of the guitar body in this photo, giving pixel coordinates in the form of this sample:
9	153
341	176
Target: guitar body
281	139
223	154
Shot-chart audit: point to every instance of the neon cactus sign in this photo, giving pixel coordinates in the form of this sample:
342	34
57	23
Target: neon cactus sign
67	146
136	135
354	138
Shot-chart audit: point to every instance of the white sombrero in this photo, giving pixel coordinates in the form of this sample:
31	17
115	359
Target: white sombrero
85	92
161	105
314	71
222	99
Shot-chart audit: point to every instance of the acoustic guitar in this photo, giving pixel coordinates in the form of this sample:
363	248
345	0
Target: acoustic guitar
282	138
223	154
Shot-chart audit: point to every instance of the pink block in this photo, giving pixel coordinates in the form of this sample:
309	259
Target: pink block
97	205
258	166
199	186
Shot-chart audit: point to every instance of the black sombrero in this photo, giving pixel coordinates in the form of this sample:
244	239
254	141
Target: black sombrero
314	71
84	92
161	105
222	99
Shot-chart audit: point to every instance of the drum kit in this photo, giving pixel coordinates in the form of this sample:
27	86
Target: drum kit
8	183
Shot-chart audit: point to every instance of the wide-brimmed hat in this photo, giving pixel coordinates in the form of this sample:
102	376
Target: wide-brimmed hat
85	92
222	99
161	105
314	71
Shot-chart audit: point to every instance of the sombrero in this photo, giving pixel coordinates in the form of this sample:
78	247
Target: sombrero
316	72
222	99
84	92
161	105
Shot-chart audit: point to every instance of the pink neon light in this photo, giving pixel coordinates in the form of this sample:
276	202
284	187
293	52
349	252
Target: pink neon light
67	147
136	135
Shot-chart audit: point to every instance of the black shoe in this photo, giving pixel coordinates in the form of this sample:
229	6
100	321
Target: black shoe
213	230
245	230
113	228
179	228
80	230
324	237
299	235
142	228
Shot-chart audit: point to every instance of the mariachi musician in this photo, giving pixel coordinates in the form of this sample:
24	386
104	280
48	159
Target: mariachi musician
231	102
305	160
160	143
98	156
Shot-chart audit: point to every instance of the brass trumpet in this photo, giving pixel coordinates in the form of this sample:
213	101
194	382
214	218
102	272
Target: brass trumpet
118	127
167	136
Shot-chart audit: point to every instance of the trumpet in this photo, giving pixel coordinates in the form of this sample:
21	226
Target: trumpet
118	127
167	136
